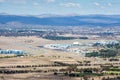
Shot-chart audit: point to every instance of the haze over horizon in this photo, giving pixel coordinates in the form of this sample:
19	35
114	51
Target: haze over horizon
60	7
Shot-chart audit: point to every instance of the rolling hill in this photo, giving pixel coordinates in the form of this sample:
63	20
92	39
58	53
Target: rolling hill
77	20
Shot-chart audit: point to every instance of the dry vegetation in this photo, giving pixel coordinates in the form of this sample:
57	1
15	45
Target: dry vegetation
40	56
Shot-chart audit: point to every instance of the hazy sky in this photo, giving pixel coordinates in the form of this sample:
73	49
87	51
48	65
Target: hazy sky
81	7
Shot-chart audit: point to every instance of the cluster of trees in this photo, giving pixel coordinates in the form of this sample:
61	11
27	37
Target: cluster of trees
114	69
83	37
115	78
62	37
58	38
114	46
21	32
102	53
111	50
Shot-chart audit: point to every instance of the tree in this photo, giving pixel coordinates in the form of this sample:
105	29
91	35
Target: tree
72	68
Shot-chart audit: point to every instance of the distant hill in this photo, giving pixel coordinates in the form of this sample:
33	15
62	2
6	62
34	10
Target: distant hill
85	20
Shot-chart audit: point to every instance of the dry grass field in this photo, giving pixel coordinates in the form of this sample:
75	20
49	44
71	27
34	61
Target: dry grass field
40	56
44	76
30	44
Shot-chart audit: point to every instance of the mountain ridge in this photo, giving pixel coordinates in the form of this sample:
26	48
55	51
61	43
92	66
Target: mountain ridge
59	20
